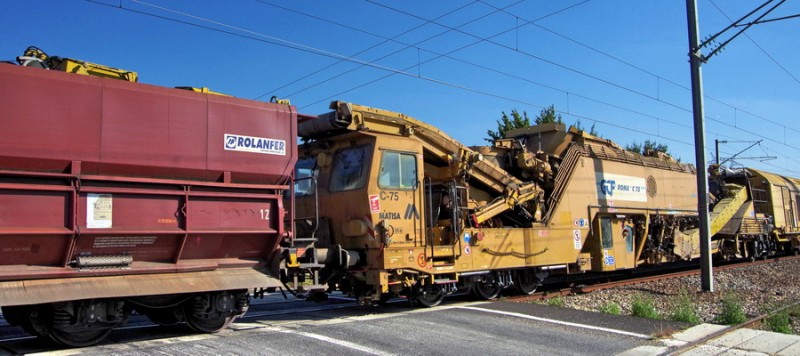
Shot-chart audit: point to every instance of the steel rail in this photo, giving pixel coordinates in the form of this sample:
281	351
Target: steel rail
722	332
582	289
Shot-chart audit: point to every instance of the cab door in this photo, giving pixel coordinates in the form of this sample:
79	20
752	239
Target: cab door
400	198
616	243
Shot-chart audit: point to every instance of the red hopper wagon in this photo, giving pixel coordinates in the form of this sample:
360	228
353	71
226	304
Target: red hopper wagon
117	195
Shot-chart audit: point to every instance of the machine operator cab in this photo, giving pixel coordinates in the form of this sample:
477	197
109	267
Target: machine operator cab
373	194
364	189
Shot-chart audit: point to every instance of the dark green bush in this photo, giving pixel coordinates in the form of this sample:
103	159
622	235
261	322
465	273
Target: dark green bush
642	306
779	323
732	310
611	308
556	301
683	309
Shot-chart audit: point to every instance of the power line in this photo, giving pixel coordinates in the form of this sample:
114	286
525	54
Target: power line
644	70
712	39
653	74
757	45
395	52
386	39
531	55
570	39
296	46
588	75
495	71
465	62
486	68
449	29
771	20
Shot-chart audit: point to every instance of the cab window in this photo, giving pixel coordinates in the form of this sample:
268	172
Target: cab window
627	233
398	170
349	169
605	233
304	170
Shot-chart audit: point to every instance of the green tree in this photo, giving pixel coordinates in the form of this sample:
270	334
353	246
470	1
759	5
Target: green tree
548	115
507	123
647	145
516	121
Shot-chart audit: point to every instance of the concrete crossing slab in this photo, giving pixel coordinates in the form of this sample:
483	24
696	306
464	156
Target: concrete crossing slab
769	342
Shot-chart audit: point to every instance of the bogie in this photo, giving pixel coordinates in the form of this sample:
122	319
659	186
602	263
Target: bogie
77	323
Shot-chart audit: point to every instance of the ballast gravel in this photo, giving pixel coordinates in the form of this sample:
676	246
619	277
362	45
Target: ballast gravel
759	288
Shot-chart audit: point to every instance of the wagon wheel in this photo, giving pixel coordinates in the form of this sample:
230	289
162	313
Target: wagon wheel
485	290
209	325
77	334
210	313
78	338
527	282
429	297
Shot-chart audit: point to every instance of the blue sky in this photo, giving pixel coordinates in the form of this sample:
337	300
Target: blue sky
619	64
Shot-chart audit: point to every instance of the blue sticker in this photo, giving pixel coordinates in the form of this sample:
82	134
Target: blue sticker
608	260
466	238
583	222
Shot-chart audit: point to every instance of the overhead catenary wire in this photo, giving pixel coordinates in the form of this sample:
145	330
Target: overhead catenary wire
488	40
757	45
294	45
248	34
771	20
645	95
407	46
305	48
446	55
386	39
711	39
539	58
273	40
658	77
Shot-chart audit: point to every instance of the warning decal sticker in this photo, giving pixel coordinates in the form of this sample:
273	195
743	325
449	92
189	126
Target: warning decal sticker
98	211
375	204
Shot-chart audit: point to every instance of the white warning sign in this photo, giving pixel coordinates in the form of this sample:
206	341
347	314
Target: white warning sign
576	239
98	211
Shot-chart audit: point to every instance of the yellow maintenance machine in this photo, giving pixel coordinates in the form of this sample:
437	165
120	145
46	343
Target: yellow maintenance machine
766	222
417	214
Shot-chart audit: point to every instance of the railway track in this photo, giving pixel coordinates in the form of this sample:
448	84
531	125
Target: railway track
14	340
582	286
747	324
